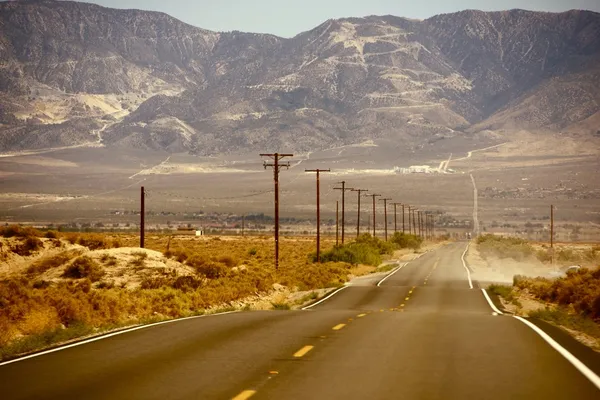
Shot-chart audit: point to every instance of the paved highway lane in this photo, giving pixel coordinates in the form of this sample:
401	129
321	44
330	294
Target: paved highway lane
423	333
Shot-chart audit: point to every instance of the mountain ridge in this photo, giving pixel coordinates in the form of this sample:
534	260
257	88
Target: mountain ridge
147	80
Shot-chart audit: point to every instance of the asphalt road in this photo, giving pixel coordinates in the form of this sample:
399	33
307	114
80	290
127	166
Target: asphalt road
422	334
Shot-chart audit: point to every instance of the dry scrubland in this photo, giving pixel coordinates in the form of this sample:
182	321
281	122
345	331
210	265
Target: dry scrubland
56	286
570	300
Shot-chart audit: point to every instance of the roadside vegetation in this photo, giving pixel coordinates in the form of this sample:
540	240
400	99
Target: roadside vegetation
522	250
571	302
73	291
370	250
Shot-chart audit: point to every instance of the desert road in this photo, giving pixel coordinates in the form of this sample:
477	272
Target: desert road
422	333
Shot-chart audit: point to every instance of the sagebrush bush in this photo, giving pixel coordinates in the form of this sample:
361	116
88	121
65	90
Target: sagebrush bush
19	231
55	261
84	267
579	290
28	246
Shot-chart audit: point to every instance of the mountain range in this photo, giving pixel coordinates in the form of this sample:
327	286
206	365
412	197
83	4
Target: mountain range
77	74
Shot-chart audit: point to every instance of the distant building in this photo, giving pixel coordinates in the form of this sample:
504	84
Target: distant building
416	169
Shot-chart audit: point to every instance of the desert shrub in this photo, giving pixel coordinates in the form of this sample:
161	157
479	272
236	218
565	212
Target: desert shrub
139	258
567	255
365	250
187	283
51	235
503	247
28	246
252	251
47	263
406	241
212	270
178	254
579	291
19	231
84	267
106	284
280	306
92	241
228	260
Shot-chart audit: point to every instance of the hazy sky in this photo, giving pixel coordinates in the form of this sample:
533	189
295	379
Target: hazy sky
287	18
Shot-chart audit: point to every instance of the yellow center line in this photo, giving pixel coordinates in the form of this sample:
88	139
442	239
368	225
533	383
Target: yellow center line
406	298
302	352
360	315
246	394
402	305
338	327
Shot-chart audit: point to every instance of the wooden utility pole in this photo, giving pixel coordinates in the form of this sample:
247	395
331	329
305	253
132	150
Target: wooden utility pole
374	223
552	226
414	221
142	216
318	171
385	216
409	220
337	223
403	231
396	217
243	223
358	217
276	167
343	189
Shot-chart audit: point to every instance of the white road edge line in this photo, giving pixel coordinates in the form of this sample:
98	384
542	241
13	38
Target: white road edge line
94	339
465	265
325	298
390	274
487	297
581	367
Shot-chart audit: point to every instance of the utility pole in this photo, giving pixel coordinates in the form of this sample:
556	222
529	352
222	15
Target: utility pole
414	221
358	218
337	222
343	189
318	171
403	231
142	216
243	223
276	157
432	226
420	214
409	221
551	226
396	217
374	223
385	216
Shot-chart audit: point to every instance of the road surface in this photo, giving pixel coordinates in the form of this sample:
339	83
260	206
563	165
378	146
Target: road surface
422	334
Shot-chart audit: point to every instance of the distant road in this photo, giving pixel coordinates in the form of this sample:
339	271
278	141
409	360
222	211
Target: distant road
422	334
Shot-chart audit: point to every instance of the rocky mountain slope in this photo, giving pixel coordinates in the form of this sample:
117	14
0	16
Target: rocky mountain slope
80	74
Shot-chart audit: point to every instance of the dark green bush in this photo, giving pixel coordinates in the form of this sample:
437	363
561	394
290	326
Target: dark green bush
406	241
